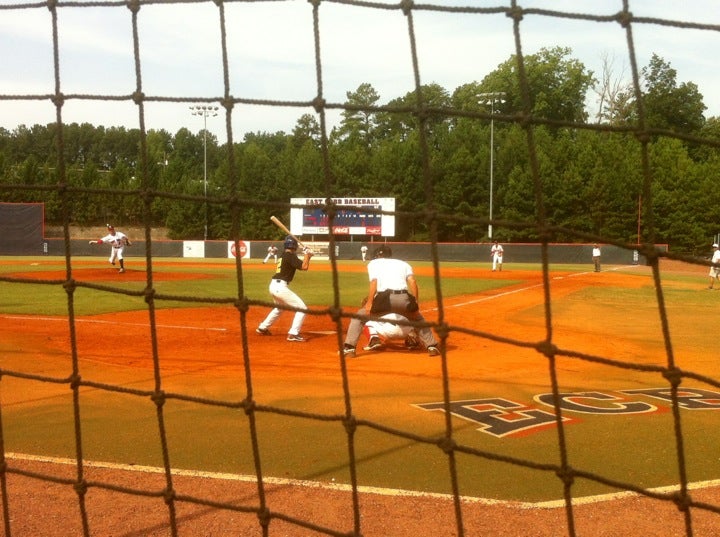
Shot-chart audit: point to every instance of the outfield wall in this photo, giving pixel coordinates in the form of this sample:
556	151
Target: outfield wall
514	253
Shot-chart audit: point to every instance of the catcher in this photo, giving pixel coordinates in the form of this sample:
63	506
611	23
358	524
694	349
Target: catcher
383	331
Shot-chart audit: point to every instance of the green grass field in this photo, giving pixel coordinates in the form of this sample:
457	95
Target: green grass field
218	282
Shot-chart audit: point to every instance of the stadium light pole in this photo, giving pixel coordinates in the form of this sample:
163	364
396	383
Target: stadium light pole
491	98
205	112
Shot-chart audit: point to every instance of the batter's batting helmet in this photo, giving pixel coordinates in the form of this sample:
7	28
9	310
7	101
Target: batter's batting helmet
382	251
290	243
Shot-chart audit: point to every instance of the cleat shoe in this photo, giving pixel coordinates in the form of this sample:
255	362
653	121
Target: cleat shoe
433	350
121	270
296	337
349	352
374	344
263	331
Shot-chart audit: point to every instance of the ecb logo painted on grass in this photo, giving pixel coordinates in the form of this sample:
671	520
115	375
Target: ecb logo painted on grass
501	417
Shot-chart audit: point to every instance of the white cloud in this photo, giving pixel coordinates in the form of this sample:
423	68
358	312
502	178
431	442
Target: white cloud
271	54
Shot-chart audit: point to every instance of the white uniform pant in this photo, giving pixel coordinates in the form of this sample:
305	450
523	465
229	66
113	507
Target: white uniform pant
386	330
282	295
116	253
497	261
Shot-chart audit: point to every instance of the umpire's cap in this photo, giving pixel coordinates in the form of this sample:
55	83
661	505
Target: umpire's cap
382	251
290	243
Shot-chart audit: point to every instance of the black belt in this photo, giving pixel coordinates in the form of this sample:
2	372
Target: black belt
398	291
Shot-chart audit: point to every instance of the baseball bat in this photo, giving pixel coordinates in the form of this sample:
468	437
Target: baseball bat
279	224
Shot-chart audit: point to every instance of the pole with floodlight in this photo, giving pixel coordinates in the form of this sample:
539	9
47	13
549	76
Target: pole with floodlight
205	112
491	98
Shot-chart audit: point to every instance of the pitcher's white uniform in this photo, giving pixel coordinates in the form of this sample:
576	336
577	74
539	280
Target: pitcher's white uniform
118	240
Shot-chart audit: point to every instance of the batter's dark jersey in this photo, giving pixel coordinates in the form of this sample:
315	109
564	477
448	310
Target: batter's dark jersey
289	263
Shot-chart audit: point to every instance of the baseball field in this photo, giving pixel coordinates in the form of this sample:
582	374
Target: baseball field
567	402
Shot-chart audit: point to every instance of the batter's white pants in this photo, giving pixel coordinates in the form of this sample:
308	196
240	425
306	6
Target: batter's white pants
282	294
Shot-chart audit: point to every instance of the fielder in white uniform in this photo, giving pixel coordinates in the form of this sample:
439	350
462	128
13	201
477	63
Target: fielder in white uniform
118	240
281	293
715	271
272	252
497	256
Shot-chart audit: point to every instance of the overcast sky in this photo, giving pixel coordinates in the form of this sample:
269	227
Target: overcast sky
271	55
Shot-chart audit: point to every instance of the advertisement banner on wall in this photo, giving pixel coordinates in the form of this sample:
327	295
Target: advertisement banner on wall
242	246
193	248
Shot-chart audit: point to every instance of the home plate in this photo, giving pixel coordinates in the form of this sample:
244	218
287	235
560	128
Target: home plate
320	332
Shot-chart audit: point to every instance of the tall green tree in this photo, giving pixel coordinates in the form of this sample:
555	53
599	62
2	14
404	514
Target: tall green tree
669	105
557	83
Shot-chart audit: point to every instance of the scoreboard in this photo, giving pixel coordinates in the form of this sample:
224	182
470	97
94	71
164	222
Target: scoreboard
353	216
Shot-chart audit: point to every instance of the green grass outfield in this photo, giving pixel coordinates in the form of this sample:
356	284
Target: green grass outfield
219	281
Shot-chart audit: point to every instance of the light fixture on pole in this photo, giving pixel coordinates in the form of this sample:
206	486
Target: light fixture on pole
491	98
205	112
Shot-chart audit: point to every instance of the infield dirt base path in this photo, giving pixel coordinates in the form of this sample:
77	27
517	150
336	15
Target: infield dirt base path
202	344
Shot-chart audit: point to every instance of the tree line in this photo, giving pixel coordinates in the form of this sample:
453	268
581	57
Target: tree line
592	182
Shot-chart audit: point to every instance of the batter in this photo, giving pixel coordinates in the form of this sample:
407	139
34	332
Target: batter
282	294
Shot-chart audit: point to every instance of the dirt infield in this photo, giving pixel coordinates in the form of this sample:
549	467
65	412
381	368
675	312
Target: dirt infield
52	510
202	347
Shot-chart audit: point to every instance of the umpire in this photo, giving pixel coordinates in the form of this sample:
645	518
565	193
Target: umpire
393	289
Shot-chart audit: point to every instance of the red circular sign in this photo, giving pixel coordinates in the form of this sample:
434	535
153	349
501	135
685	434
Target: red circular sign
243	249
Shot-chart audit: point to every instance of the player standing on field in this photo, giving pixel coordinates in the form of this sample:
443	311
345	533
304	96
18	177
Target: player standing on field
715	271
281	293
118	240
596	253
393	289
272	252
363	252
496	252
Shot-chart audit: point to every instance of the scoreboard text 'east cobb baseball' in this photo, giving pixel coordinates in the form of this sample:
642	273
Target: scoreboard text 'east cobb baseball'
355	216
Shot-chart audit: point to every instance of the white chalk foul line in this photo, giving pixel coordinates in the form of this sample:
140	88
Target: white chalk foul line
519	290
554	504
97	321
